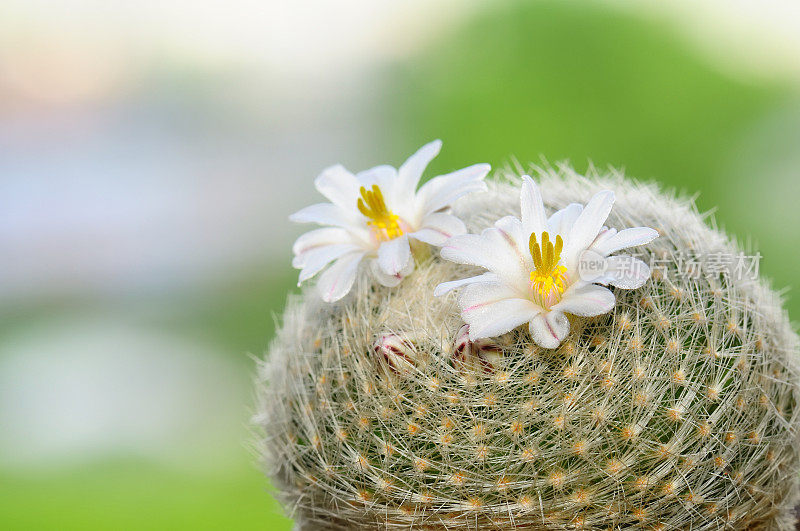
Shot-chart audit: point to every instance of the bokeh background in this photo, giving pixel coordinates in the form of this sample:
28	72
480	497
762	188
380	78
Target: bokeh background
150	153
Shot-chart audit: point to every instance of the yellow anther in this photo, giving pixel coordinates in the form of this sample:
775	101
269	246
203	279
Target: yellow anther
548	280
385	224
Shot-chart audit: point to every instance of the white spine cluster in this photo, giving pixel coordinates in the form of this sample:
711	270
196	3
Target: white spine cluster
677	410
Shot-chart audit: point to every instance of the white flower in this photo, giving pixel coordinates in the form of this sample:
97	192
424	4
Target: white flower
375	214
540	268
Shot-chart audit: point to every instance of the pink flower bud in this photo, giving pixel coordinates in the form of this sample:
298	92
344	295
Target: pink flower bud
397	353
482	355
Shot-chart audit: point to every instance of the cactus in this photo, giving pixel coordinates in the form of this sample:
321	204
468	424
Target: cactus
676	410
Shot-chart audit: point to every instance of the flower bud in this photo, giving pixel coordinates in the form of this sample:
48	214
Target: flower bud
482	356
396	353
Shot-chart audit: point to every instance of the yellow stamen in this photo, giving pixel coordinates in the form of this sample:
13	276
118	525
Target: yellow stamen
548	280
385	224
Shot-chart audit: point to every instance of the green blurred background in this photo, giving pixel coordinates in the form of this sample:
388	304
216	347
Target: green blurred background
150	154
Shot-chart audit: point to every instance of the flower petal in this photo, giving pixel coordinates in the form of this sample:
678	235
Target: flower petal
470	249
494	250
475	297
511	228
384	176
604	234
441	191
338	279
624	239
439	227
549	329
390	281
324	214
586	300
492	308
313	261
447	287
339	185
562	221
394	255
587	226
624	272
504	316
409	173
532	207
320	237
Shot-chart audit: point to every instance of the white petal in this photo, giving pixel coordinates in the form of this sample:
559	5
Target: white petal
447	287
320	237
624	239
494	250
532	207
470	249
337	280
562	221
625	272
324	214
439	227
587	226
604	235
511	228
339	185
410	172
492	308
390	281
504	316
313	261
394	255
441	191
476	299
549	329
586	300
384	176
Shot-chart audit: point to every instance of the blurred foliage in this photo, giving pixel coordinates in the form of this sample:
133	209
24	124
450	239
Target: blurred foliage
573	80
137	495
240	314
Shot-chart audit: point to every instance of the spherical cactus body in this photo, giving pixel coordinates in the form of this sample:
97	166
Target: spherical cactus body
675	410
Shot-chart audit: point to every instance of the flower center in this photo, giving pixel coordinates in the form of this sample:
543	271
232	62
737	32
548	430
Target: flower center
548	280
384	223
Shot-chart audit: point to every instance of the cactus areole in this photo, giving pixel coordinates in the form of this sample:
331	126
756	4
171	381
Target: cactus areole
557	386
